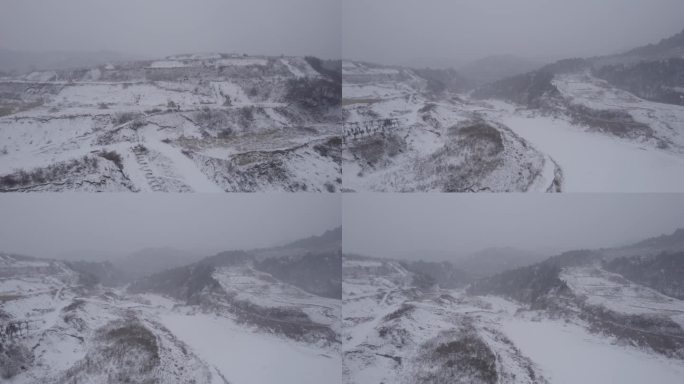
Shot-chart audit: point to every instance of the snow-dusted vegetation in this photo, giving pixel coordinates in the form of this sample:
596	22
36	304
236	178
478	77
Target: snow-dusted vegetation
222	319
606	124
582	316
202	123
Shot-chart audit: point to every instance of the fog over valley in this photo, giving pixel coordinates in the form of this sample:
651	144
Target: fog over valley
341	191
439	227
444	33
606	287
157	28
93	227
175	289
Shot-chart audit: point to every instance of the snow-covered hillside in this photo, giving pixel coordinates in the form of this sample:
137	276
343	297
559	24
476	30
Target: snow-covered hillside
203	123
443	141
243	326
394	332
613	158
588	136
605	124
567	319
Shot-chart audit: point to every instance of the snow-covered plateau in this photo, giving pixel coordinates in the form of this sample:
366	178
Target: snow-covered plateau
191	123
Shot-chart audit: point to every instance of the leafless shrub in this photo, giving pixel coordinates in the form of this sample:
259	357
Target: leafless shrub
113	156
51	173
14	358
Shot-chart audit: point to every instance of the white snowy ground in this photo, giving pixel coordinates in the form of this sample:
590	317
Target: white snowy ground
194	346
77	121
59	344
593	162
589	161
260	288
568	354
426	134
251	358
563	352
610	290
237	353
666	120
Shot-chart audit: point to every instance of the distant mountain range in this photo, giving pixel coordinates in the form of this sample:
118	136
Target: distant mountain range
82	321
226	101
505	124
312	264
498	261
24	61
486	262
480	71
657	263
653	72
113	269
497	67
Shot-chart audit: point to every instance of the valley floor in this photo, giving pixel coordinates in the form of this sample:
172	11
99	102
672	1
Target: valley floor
250	358
396	333
592	162
455	143
567	354
66	337
559	351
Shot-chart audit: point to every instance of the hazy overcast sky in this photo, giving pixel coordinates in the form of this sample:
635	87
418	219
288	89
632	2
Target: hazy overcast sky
397	31
162	27
51	224
389	225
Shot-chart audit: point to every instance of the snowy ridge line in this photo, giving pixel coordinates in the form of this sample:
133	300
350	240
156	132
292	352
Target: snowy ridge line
634	131
401	339
92	333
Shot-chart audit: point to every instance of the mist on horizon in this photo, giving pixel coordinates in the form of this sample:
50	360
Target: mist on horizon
439	32
440	227
104	226
156	28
